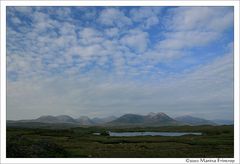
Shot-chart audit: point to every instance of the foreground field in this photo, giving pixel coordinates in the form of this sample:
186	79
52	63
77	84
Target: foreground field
216	141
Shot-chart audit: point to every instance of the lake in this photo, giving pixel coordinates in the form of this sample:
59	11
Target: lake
129	134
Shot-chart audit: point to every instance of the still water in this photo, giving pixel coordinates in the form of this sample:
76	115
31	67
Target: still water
129	134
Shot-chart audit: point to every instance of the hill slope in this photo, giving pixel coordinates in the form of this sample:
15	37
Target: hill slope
194	120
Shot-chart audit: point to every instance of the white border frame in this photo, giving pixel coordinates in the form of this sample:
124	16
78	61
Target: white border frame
115	3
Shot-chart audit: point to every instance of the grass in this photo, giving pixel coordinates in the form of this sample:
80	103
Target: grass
216	142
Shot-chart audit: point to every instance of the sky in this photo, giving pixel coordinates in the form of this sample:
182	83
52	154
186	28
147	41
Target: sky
103	61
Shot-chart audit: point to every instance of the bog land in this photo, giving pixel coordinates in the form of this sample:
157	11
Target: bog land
82	142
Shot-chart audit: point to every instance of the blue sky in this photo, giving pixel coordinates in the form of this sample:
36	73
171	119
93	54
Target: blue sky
101	61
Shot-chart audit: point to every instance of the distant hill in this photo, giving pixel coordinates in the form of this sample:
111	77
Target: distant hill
223	122
64	119
194	120
97	120
158	117
152	119
128	119
55	119
84	120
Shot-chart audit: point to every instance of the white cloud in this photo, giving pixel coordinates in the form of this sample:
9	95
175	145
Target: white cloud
42	21
201	18
112	32
189	39
191	27
23	9
15	20
90	36
65	12
114	17
163	56
136	39
148	16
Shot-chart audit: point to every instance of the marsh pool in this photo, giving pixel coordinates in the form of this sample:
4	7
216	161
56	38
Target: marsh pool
130	134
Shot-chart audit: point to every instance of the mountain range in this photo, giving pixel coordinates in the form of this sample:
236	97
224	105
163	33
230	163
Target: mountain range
152	119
